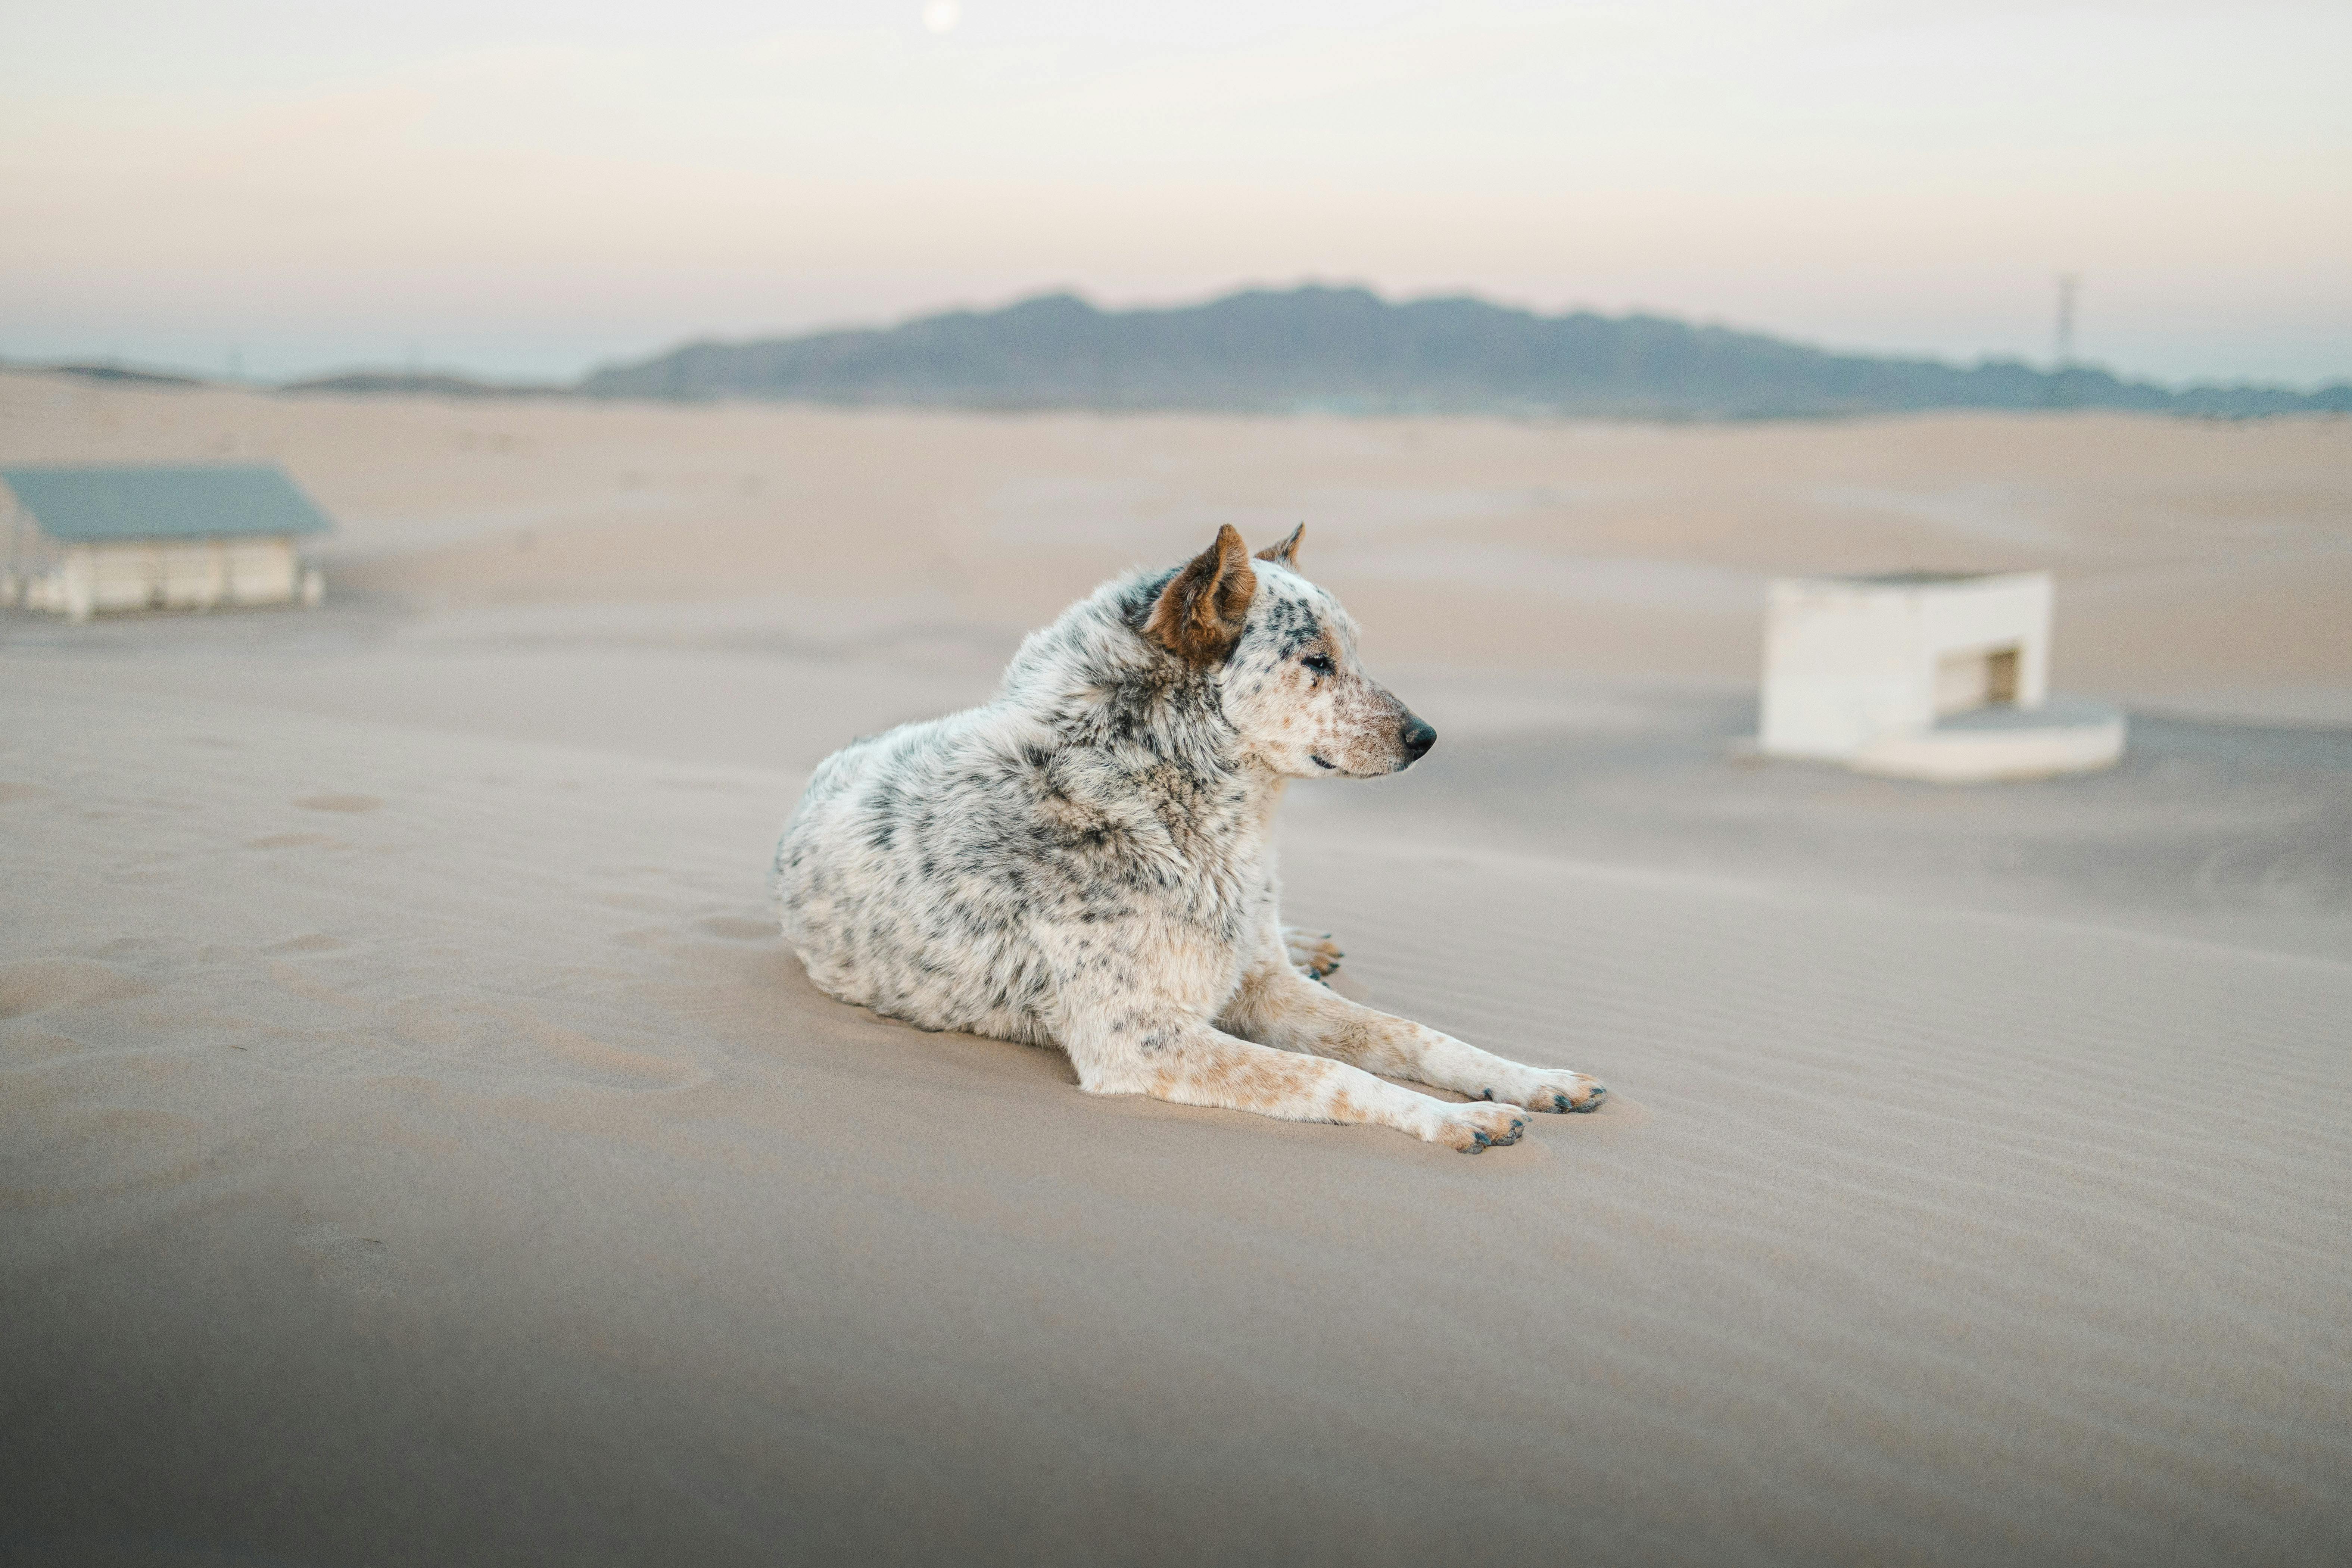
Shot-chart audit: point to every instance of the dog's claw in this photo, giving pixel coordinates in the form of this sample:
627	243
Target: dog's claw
1478	1127
1550	1096
1312	953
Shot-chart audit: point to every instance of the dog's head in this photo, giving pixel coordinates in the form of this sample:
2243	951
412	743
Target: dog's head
1284	654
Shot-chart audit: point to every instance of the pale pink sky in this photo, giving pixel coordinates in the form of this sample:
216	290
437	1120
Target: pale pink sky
520	188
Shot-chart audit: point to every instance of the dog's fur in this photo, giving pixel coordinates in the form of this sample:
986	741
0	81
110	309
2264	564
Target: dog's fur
1087	861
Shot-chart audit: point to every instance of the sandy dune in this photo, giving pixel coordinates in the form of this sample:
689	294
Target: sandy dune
415	1145
2201	564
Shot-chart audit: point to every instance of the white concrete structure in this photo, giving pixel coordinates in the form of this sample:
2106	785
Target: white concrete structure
90	540
1925	675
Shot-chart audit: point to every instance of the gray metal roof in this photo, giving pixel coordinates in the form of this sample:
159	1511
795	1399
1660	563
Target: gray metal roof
88	506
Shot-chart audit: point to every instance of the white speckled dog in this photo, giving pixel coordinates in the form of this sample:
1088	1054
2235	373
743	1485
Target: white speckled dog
1087	861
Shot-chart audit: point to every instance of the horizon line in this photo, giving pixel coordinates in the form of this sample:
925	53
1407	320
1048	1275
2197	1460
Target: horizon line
180	371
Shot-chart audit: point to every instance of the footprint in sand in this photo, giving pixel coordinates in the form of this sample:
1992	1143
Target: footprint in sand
360	1265
472	1033
293	841
317	941
40	984
733	928
344	803
11	794
588	1060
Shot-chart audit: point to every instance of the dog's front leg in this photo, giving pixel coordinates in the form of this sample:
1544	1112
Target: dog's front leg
1122	1042
1277	1004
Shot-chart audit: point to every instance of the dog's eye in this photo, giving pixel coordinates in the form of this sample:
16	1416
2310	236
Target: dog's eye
1318	663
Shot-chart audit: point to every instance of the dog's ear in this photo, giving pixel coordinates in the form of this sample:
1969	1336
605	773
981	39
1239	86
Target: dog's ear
1287	553
1200	615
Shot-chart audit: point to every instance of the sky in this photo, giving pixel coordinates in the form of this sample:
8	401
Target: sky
527	188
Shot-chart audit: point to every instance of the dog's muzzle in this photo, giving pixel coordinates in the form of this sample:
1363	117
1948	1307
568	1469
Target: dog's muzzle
1417	738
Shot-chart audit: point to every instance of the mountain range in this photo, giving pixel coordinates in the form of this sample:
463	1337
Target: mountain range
1325	350
1349	351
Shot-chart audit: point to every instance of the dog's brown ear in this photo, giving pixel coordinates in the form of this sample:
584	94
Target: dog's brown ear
1200	612
1287	553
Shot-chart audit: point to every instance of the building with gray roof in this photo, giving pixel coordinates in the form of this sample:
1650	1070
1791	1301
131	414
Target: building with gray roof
86	540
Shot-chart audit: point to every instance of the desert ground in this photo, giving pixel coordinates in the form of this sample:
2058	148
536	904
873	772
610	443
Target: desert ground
417	1144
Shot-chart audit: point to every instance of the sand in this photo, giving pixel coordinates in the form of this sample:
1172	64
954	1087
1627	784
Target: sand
415	1145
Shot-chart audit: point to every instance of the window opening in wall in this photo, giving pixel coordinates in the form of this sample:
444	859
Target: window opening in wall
2000	678
1982	678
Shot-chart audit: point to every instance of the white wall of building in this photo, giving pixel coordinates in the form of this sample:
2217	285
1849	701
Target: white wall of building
1848	660
195	575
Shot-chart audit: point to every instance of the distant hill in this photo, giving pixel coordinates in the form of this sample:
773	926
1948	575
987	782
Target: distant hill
1349	351
119	373
418	383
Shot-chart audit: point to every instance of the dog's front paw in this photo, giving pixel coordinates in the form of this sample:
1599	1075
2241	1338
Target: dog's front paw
1474	1127
1549	1088
1313	953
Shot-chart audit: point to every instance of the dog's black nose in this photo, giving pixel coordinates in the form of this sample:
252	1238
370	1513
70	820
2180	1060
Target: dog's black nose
1418	738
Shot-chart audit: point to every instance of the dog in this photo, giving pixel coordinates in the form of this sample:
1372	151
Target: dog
1087	861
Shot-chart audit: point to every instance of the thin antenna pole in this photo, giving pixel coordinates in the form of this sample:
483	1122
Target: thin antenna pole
2062	346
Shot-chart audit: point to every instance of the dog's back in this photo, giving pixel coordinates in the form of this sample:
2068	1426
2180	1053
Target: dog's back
924	866
895	859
